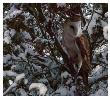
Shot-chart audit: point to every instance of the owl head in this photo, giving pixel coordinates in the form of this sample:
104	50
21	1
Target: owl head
74	26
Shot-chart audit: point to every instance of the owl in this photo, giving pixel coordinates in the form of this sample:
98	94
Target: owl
77	47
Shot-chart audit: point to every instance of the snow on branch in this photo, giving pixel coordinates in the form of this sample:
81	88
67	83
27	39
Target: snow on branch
9	73
65	74
6	58
61	4
97	73
19	77
16	83
10	88
13	14
105	32
39	86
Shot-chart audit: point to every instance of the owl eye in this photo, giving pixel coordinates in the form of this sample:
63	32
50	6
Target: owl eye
71	26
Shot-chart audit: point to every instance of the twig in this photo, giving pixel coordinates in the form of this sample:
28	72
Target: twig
90	19
10	88
99	79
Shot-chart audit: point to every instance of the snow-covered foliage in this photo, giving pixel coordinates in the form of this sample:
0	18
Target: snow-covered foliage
19	77
106	14
6	58
21	92
99	74
13	12
26	35
61	4
62	91
105	32
99	89
9	73
41	87
65	91
34	58
23	56
93	22
7	35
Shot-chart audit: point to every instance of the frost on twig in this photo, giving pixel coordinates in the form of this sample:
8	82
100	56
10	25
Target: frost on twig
10	88
17	80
